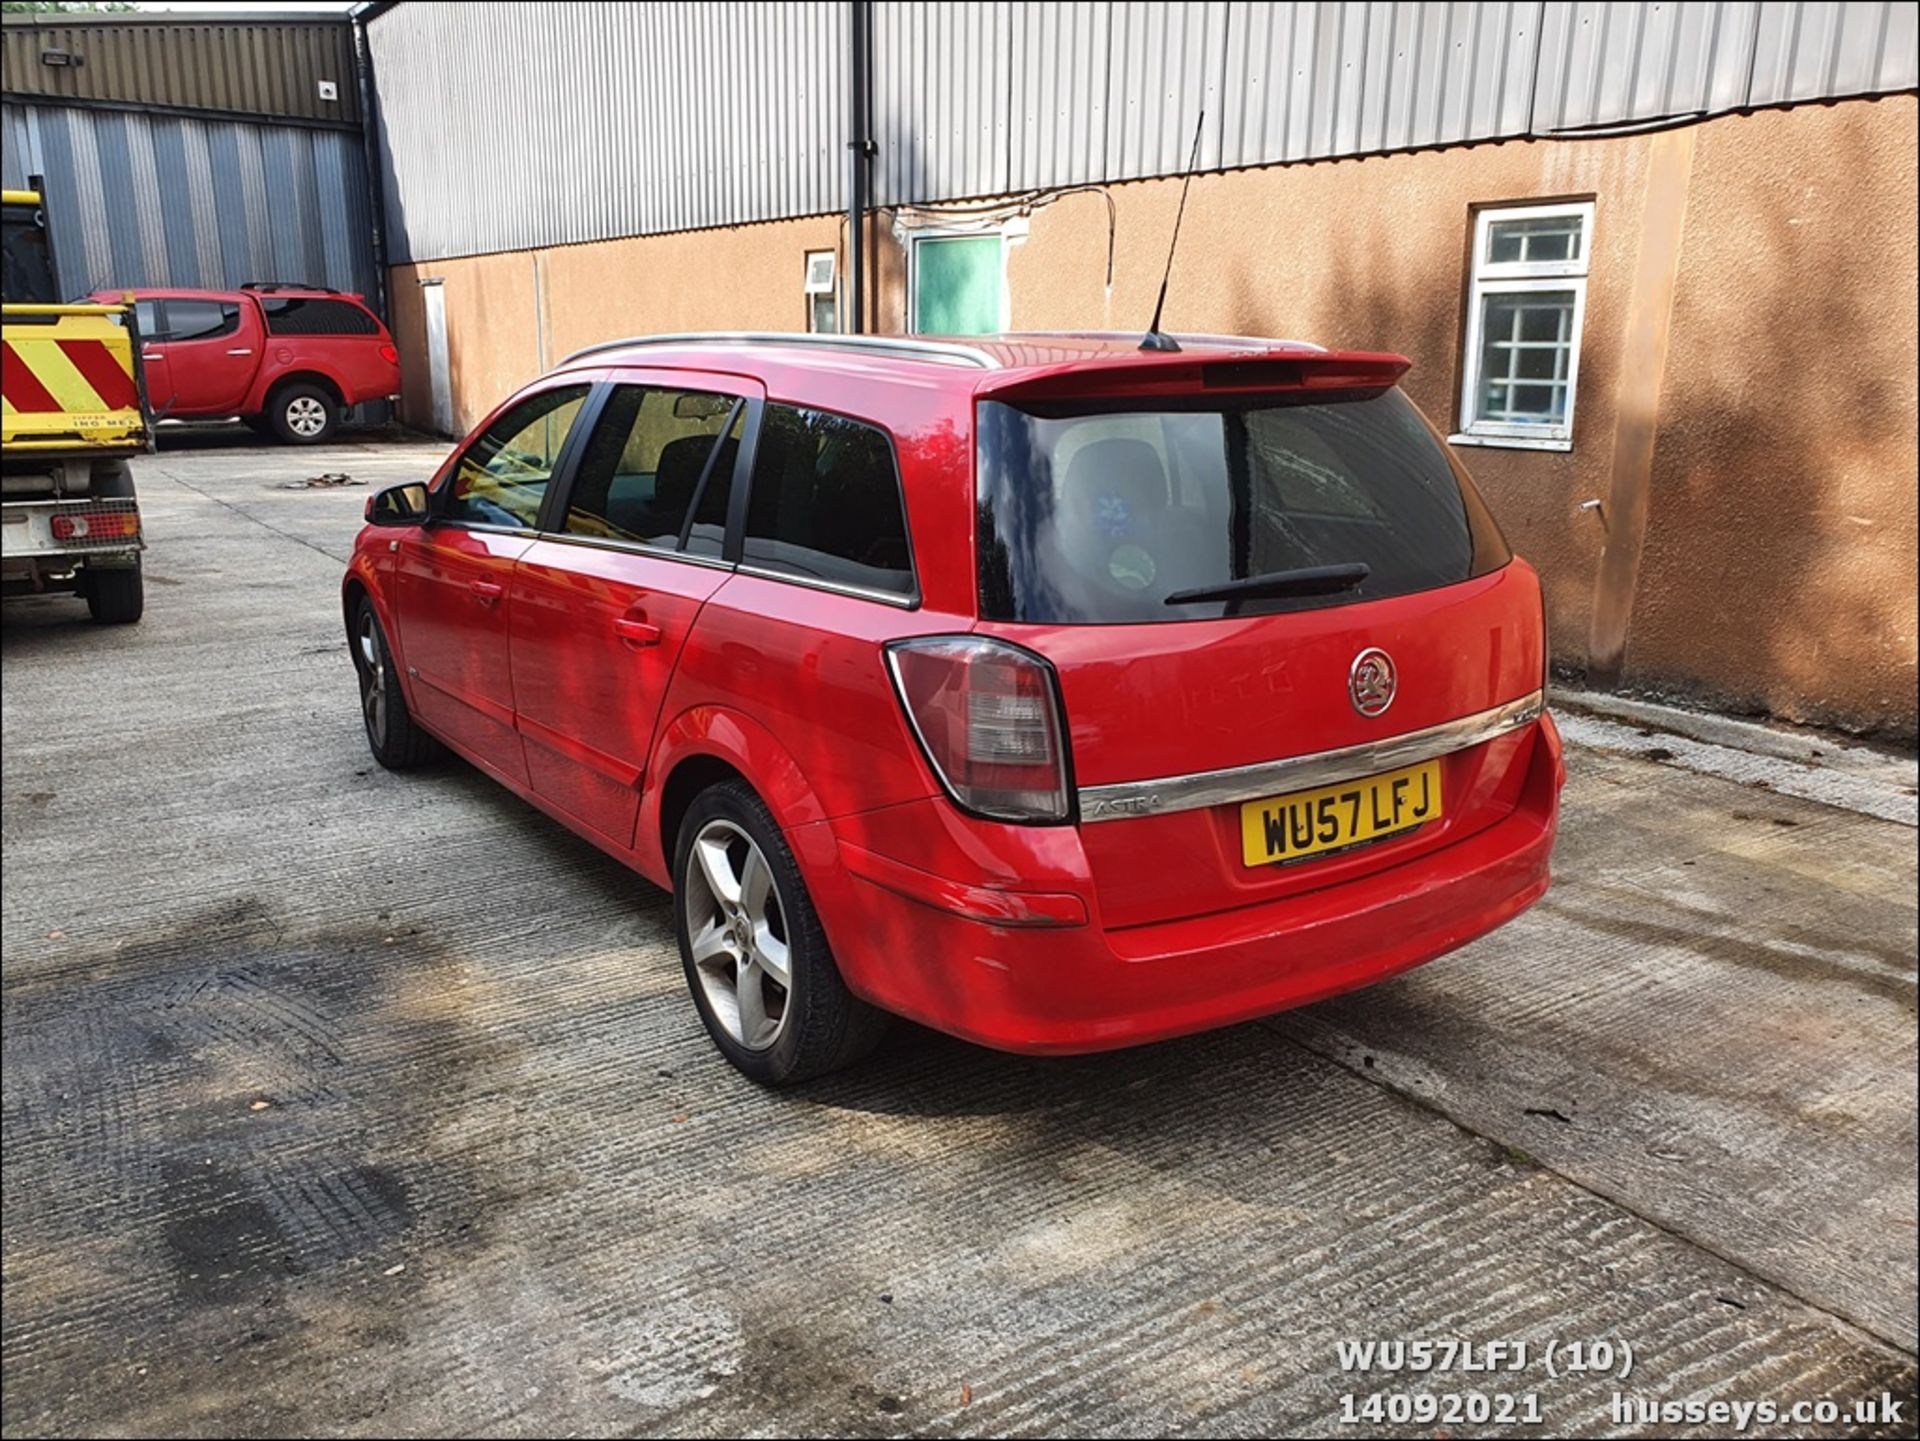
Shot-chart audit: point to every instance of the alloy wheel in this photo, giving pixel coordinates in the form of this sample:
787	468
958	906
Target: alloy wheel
306	416
373	679
737	932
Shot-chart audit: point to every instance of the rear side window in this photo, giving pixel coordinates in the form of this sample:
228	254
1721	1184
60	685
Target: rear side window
1099	517
199	319
657	469
311	316
503	476
825	502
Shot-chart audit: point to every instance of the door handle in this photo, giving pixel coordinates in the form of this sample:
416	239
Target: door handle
486	591
636	633
151	355
239	352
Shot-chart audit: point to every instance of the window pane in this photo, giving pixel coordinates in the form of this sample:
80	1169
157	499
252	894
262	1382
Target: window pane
826	502
1096	518
1553	237
956	286
504	474
1526	345
641	469
708	533
318	317
821	317
200	319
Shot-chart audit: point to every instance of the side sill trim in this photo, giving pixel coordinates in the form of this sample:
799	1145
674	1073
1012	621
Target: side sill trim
1123	799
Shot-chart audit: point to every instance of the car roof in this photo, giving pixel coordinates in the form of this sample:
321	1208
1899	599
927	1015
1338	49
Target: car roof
966	363
181	292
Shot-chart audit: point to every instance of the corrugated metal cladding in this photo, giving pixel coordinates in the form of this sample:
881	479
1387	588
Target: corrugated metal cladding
158	200
509	126
636	120
247	67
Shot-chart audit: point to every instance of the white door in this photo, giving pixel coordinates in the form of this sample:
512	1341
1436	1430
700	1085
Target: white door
439	373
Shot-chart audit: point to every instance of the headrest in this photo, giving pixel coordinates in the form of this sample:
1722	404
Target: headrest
677	472
1116	487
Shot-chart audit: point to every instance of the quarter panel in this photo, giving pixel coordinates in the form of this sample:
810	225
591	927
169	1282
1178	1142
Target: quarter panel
807	667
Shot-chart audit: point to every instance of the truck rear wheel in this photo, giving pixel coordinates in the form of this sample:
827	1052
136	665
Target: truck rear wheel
117	596
302	414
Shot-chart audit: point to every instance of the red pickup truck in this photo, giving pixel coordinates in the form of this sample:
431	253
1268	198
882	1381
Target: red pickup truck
287	359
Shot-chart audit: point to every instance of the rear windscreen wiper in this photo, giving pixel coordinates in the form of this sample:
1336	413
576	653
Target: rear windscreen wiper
1308	580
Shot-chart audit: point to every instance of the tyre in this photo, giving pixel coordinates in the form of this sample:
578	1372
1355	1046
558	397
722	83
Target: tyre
756	958
393	736
117	596
302	414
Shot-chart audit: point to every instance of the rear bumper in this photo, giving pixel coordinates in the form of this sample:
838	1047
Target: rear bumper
1011	969
26	533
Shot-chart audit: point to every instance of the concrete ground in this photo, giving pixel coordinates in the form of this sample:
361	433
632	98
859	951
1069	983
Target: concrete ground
337	1101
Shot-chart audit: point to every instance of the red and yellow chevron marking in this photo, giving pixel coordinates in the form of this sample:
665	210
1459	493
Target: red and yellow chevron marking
67	378
92	378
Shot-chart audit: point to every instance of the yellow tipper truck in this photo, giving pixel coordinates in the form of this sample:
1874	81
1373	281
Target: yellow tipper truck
76	409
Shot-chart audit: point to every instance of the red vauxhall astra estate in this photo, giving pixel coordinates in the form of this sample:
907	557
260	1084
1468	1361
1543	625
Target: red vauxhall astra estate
1048	691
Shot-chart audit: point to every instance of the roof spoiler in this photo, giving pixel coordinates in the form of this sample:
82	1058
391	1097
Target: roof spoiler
1187	374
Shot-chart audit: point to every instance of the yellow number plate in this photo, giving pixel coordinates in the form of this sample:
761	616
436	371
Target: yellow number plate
1311	823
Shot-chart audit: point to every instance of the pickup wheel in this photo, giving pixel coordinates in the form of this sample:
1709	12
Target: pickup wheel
116	597
756	958
396	741
302	413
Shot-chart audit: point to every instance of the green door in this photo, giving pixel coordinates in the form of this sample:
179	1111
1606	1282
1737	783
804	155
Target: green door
956	285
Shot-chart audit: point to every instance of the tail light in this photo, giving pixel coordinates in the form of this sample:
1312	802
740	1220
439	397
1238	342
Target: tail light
390	354
96	525
987	714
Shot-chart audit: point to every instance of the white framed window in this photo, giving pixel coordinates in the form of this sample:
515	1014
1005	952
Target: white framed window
1526	304
957	281
823	301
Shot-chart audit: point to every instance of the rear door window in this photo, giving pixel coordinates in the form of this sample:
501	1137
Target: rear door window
198	319
1099	516
658	469
317	316
825	503
504	474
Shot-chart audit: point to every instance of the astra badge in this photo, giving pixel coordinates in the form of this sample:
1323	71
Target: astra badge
1372	681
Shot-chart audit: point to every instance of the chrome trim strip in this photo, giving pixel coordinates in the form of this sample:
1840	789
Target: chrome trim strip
878	344
644	549
909	601
1125	799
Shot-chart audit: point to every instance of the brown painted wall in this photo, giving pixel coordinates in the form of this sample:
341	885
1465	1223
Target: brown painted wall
1778	574
742	279
1777	570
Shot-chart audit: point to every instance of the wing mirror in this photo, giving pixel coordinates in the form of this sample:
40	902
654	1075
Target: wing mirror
398	505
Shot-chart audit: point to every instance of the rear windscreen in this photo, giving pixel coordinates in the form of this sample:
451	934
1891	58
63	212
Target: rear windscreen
1097	517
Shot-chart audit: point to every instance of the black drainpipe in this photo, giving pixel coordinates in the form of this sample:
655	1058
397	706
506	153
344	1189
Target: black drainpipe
860	148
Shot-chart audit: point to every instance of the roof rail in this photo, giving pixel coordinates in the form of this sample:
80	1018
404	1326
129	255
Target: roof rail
267	287
873	344
1225	342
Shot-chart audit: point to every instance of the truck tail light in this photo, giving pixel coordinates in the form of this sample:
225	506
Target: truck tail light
96	525
390	354
988	717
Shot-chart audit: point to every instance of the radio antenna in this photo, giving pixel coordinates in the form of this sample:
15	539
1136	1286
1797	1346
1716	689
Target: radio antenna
1153	339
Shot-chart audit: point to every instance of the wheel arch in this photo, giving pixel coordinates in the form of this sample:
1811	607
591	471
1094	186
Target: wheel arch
702	747
306	375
